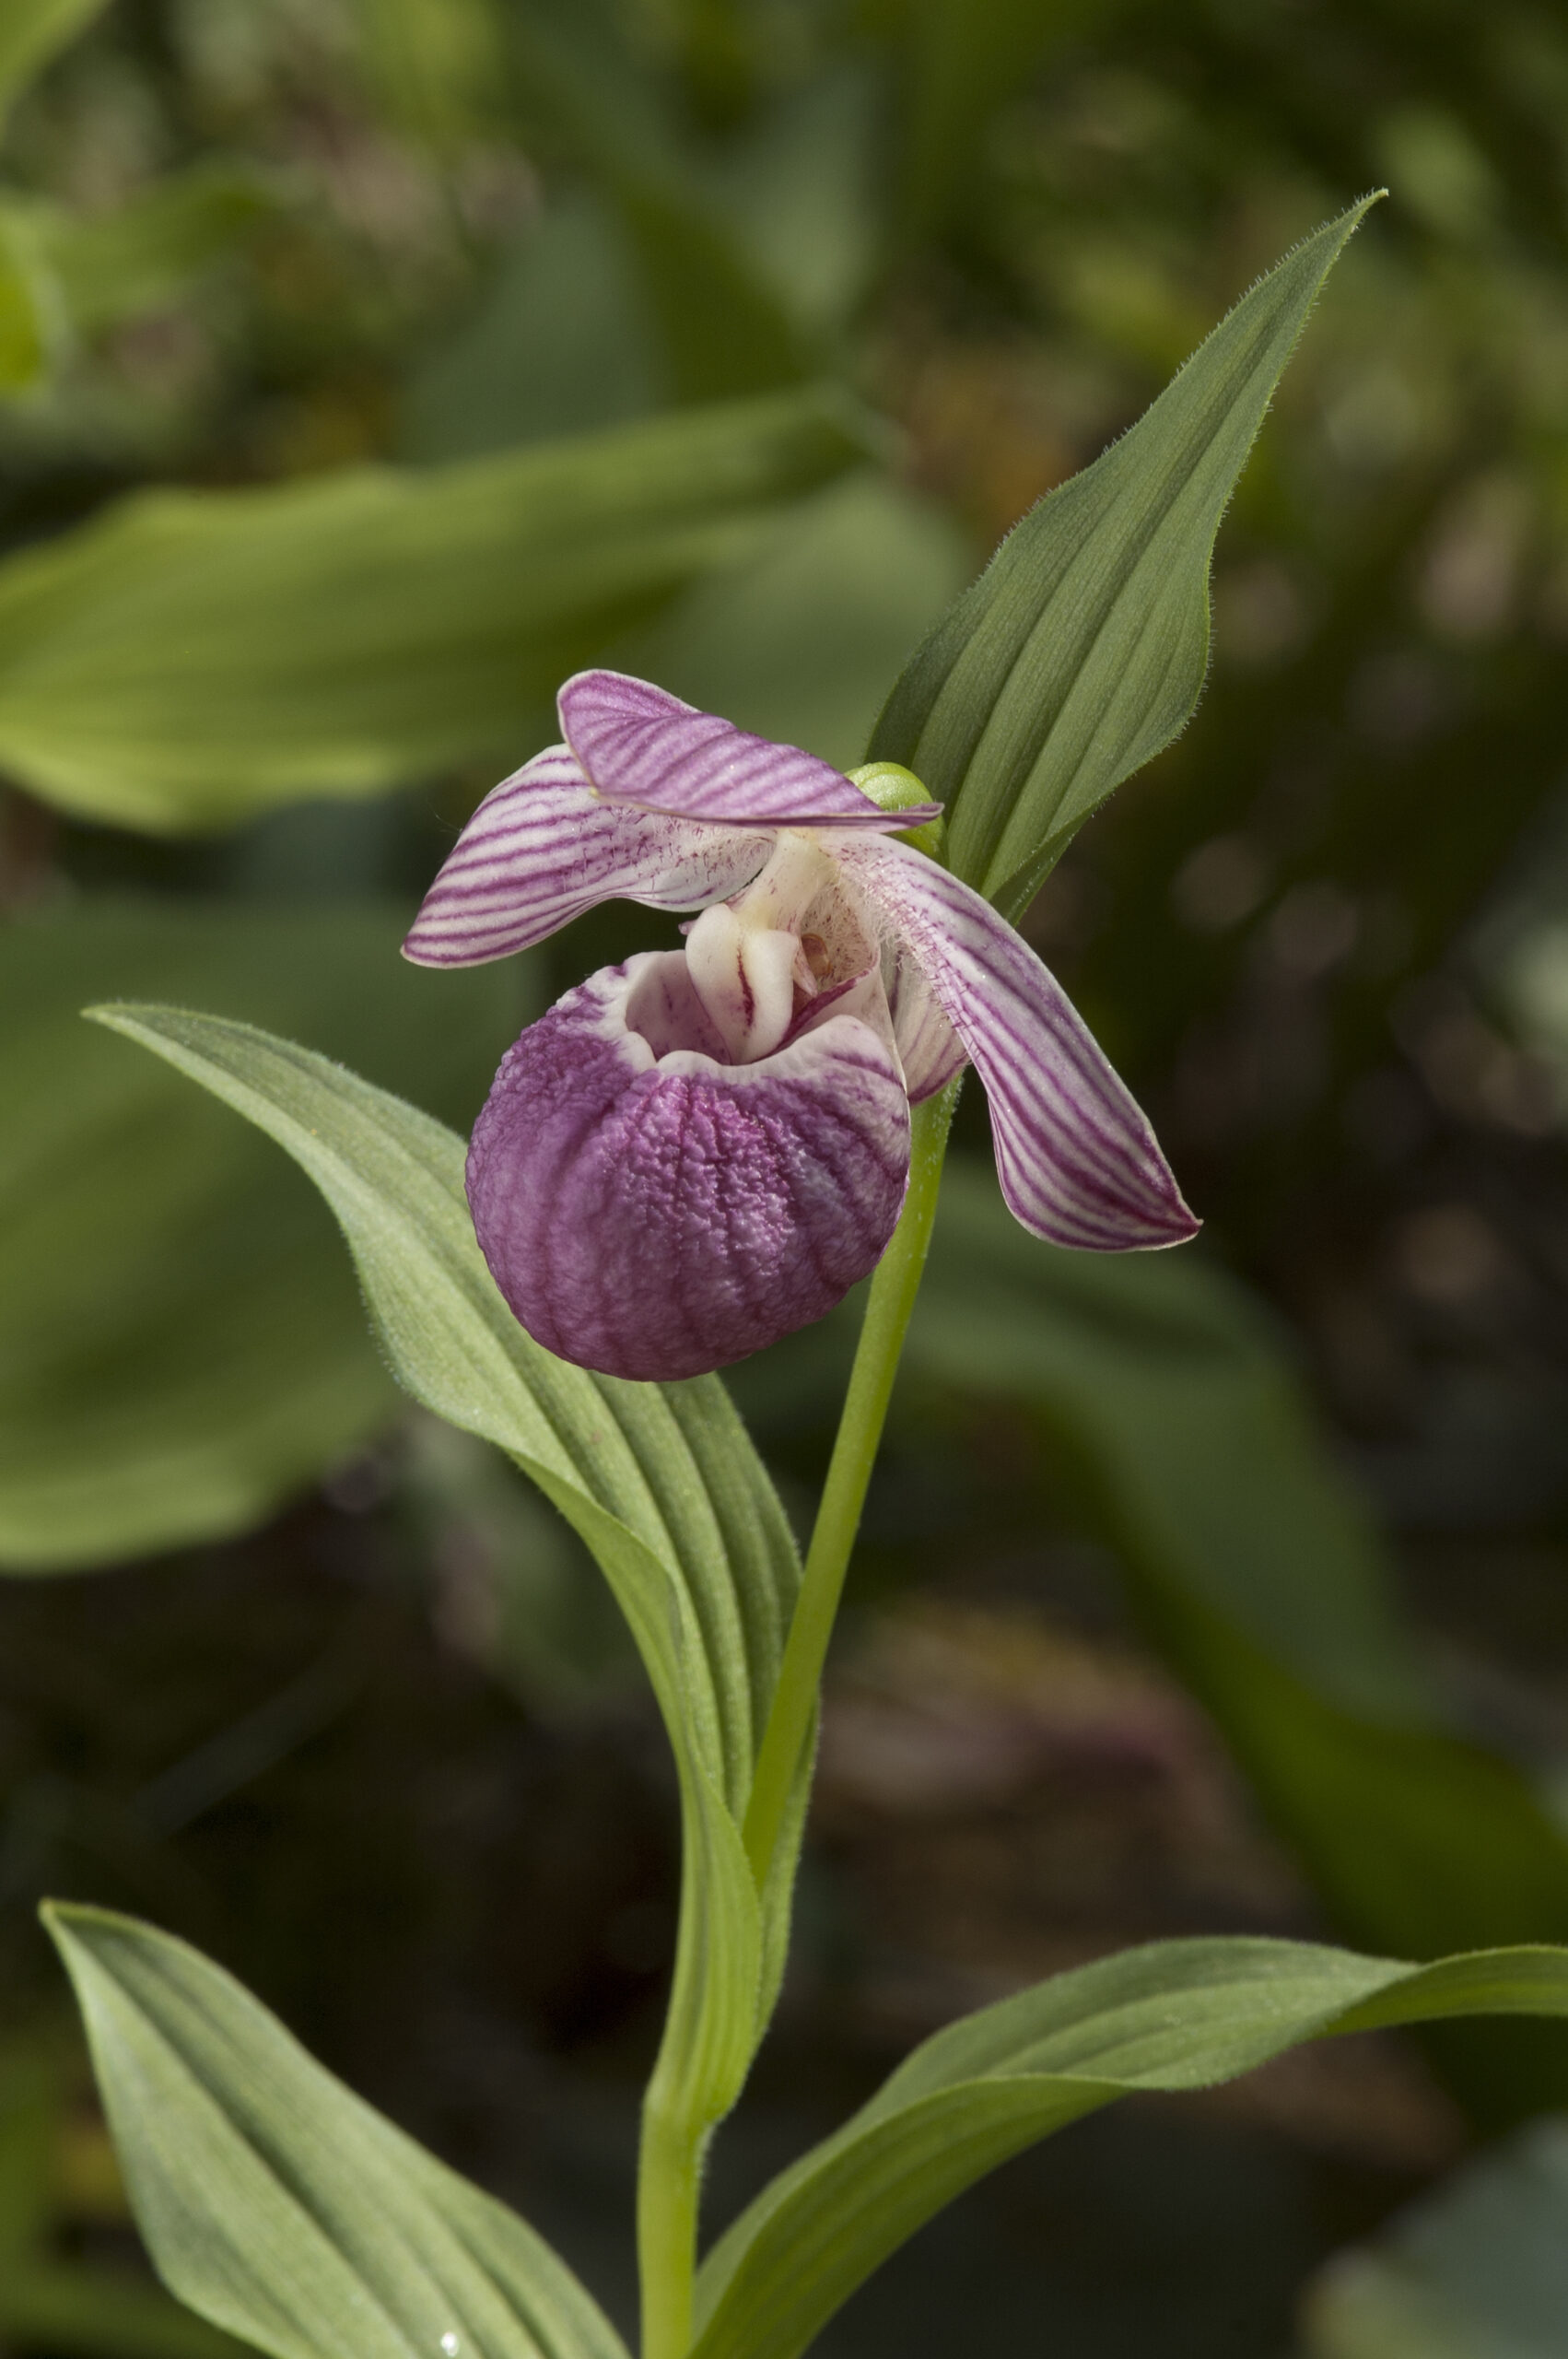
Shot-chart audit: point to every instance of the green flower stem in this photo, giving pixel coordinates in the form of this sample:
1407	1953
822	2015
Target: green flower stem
893	1293
668	2175
667	2190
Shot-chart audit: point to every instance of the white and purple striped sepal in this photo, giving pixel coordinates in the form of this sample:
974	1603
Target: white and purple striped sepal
542	848
638	745
1078	1161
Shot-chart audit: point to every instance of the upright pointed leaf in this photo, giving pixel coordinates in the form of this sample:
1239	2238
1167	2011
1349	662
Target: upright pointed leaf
276	2203
1082	649
1175	2015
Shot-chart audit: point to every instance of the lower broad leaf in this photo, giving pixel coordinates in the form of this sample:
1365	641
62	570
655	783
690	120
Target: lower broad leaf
1175	2015
276	2202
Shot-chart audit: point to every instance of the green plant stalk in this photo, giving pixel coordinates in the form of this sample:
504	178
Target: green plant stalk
668	2189
670	2167
894	1289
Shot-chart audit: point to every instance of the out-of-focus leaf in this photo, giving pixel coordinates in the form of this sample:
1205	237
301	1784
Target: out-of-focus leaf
563	340
29	2098
960	59
660	1481
31	33
1081	650
724	325
49	2303
1476	2270
1175	2015
1258	1571
31	306
548	1629
1162	1360
439	67
191	657
65	274
798	640
102	2313
180	1346
277	2204
110	266
802	190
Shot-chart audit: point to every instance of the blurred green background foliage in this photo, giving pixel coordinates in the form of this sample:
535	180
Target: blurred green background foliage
365	367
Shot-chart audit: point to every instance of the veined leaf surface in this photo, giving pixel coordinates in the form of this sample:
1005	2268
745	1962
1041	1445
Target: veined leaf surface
279	2205
660	1481
1175	2015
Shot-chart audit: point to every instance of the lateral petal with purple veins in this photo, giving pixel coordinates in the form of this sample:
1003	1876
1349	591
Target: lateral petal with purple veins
648	1210
542	848
637	743
1078	1161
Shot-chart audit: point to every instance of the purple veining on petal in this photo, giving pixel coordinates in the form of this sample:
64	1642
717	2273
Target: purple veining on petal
542	848
638	745
1078	1161
929	1048
661	1215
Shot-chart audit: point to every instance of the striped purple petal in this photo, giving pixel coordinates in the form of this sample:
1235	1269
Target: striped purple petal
649	1211
542	848
1077	1160
639	746
929	1048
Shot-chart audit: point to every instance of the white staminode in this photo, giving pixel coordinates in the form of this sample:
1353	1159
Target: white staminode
746	957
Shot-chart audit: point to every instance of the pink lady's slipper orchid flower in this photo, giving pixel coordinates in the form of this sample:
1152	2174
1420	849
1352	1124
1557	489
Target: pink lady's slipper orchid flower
696	1152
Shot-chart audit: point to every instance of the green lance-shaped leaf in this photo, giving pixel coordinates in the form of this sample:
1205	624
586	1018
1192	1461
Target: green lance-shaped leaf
1175	2015
660	1481
1476	2269
1082	649
181	1343
1166	1393
31	33
191	657
276	2203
